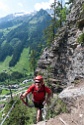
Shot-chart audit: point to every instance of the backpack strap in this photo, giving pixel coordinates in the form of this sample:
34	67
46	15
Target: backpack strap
44	89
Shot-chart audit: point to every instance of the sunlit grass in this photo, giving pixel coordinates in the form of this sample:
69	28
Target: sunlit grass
22	66
5	65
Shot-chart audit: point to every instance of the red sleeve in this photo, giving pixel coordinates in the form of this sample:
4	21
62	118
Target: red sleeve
48	90
30	88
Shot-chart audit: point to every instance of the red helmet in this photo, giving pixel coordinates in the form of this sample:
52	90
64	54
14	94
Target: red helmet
39	78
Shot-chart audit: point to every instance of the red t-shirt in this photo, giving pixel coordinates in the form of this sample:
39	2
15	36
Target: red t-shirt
38	94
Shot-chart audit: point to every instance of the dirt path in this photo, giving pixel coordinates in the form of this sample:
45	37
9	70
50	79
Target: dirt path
76	115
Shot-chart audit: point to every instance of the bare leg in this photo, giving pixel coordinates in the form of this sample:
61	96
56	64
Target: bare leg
39	115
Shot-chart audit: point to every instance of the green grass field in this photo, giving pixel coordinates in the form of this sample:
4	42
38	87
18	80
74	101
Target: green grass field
22	66
4	92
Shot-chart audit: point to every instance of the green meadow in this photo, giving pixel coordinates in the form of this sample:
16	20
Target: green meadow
22	66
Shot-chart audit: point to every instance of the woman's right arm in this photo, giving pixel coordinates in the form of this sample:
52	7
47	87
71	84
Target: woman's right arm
26	92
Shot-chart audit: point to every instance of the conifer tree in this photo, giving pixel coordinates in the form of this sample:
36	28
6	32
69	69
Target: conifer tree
58	19
33	60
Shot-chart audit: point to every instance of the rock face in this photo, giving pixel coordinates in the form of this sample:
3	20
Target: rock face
63	62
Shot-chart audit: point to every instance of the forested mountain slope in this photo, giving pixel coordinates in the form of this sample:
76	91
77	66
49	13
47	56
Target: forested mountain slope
19	32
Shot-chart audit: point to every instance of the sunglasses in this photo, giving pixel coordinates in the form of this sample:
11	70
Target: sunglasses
37	82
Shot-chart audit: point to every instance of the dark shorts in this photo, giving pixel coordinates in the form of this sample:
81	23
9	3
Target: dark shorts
38	105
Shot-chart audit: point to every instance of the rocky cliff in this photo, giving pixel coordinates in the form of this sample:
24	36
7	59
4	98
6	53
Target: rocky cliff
63	62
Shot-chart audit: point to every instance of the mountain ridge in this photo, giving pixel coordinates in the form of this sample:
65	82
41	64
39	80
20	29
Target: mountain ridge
22	32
